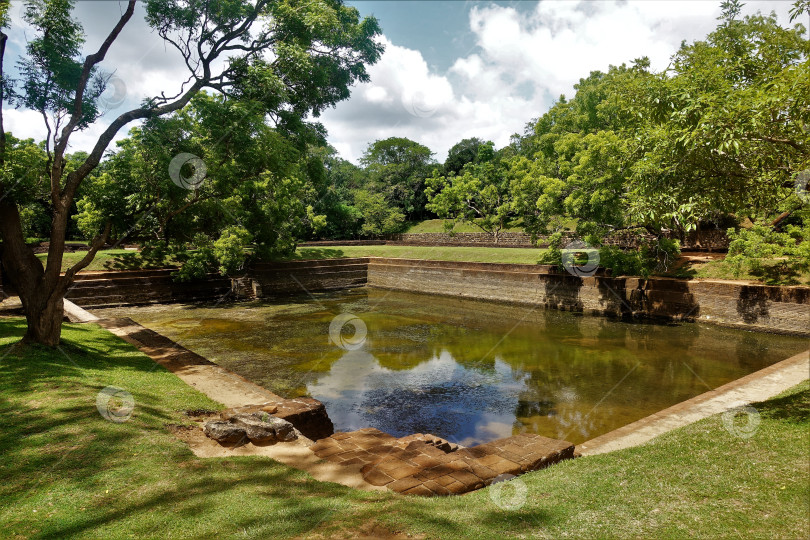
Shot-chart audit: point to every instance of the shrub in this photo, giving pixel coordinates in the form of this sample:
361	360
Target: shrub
765	252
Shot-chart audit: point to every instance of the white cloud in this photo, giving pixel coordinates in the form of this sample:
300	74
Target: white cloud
521	64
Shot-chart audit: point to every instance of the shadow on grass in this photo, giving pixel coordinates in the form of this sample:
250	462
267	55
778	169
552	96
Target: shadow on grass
794	408
777	274
134	261
317	253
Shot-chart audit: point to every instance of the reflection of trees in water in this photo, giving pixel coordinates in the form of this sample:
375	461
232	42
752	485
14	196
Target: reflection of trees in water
543	407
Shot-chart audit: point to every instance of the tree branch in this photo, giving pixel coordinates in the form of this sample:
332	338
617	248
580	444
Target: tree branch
89	63
95	245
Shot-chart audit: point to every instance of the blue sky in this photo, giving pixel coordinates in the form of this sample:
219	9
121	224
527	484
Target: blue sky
451	70
440	30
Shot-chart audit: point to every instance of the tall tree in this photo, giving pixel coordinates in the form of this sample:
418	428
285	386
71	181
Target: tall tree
463	152
397	168
295	57
480	195
256	179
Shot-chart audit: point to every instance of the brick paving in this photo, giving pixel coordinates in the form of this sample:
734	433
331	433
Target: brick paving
427	465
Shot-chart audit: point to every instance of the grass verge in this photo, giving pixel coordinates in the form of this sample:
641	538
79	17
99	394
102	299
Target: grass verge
111	259
432	253
68	472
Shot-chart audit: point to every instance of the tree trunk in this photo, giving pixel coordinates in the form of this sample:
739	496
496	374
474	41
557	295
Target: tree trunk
42	298
44	314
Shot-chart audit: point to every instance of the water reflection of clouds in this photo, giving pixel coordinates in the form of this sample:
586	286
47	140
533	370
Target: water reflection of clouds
439	396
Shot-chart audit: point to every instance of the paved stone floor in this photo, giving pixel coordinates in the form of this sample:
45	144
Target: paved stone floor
427	465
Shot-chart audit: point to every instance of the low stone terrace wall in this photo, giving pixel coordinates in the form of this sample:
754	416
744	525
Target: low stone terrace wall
505	239
754	307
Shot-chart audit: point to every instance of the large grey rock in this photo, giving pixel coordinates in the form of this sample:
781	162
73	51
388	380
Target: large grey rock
256	427
264	428
225	432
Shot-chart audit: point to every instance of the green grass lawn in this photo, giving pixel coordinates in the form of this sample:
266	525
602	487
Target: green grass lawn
120	259
68	472
437	226
771	273
434	253
110	259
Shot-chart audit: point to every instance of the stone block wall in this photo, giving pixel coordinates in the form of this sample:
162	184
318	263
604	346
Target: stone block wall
505	239
754	307
307	276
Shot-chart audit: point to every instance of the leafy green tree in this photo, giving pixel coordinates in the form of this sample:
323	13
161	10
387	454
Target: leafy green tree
379	217
462	153
24	173
581	158
294	57
334	198
397	168
721	132
724	130
256	179
480	195
776	256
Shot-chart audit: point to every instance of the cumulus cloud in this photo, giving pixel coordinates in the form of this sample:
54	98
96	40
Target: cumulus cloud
519	67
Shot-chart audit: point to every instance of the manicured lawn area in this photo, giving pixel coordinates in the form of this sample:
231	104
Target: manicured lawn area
770	274
68	472
433	253
111	259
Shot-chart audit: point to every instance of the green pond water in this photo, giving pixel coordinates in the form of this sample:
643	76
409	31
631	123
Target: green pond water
469	371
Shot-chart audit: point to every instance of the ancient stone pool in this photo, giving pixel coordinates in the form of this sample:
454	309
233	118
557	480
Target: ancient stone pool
466	370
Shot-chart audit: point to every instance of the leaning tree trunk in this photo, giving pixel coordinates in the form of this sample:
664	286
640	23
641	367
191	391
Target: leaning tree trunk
41	293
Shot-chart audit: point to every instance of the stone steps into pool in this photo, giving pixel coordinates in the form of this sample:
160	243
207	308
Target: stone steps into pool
105	289
428	465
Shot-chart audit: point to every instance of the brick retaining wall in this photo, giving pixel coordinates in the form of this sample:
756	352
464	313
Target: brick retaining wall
753	307
308	276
